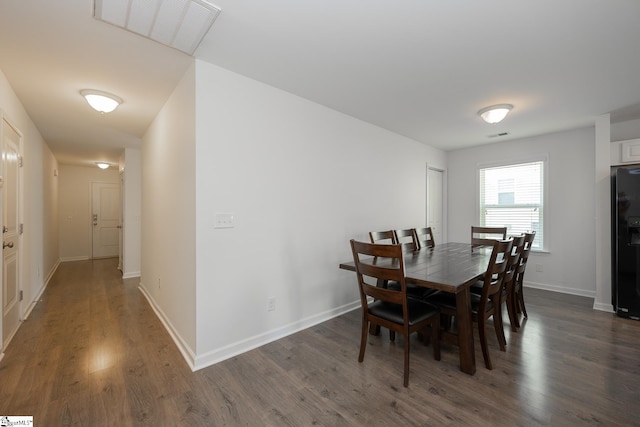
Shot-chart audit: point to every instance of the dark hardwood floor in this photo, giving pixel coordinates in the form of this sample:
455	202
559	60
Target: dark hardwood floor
93	353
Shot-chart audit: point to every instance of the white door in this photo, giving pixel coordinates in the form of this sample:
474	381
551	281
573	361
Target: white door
435	205
11	142
105	211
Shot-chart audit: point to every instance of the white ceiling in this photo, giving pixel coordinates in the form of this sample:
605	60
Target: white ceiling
419	68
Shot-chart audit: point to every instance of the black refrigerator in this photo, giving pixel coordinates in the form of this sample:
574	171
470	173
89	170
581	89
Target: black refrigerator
625	240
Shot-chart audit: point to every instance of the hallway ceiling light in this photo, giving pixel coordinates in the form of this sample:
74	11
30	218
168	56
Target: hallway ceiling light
103	165
101	101
180	24
495	113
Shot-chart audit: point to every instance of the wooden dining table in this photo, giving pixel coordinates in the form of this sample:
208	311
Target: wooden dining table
449	267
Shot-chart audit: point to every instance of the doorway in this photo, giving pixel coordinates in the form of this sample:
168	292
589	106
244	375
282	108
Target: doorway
11	185
436	204
105	219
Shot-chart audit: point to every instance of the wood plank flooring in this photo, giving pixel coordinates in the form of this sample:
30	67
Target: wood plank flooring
92	353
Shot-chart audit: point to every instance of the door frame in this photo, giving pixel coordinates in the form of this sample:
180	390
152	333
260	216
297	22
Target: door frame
445	237
6	121
91	227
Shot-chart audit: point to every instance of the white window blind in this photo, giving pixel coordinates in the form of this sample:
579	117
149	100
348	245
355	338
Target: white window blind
513	196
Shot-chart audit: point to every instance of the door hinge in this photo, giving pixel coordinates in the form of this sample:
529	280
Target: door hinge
20	161
21	229
21	295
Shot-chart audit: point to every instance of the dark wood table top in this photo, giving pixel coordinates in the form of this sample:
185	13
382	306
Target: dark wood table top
450	267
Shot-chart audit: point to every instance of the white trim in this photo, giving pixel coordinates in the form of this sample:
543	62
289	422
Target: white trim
572	291
445	201
603	307
227	352
74	258
131	275
560	289
197	362
183	347
41	291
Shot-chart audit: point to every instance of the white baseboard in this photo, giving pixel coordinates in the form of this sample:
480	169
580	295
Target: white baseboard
35	300
74	258
131	275
183	347
218	355
560	289
603	307
197	362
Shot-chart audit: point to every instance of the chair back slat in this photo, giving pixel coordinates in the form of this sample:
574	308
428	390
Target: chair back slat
513	261
494	277
382	237
376	263
424	237
407	239
486	236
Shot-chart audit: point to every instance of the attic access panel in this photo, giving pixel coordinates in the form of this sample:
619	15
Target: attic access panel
181	24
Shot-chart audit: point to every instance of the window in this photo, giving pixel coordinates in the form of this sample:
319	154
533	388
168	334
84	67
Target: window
513	196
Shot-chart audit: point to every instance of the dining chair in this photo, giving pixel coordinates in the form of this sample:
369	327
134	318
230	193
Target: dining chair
515	299
424	237
488	303
486	236
407	239
391	308
384	237
510	277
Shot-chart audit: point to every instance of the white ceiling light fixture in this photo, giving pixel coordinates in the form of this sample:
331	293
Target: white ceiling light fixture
180	24
495	113
101	101
103	165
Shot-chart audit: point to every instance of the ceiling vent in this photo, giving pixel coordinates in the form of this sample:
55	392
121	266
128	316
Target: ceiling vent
498	135
181	24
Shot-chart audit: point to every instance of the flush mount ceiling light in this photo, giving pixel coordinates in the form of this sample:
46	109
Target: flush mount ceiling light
101	101
103	165
181	24
495	113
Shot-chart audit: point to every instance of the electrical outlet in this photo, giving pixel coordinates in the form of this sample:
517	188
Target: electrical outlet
539	268
271	304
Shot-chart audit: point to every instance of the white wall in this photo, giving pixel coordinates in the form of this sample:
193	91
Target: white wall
168	209
132	213
570	264
629	129
301	180
75	208
40	216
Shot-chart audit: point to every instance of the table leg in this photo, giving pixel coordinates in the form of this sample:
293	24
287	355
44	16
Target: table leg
465	332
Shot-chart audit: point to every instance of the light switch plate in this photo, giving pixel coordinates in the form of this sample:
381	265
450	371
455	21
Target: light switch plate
223	220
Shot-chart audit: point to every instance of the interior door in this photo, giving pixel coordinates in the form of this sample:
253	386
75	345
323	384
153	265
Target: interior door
105	211
11	159
435	205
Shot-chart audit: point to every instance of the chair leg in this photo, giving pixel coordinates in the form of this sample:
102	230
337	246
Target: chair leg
392	335
435	336
363	339
483	343
406	360
497	325
516	304
512	311
521	303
